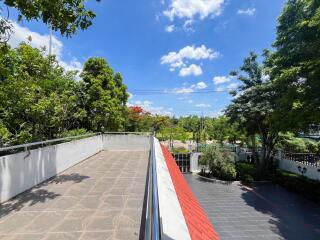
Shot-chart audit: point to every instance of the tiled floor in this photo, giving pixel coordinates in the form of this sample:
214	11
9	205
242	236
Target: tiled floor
265	211
100	198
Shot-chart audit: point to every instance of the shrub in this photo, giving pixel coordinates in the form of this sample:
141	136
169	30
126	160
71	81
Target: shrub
299	184
73	132
220	162
247	179
180	150
246	169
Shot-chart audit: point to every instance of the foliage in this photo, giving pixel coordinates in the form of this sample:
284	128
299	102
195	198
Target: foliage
191	124
40	100
179	150
73	132
64	15
220	162
308	188
254	104
222	129
295	65
139	120
247	172
173	133
106	96
290	143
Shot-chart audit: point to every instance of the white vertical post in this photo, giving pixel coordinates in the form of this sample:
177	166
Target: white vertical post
50	41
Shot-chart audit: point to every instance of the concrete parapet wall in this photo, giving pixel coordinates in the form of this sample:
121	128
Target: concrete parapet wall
21	171
310	171
122	142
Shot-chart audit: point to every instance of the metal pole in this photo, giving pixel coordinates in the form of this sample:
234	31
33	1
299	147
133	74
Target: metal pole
50	41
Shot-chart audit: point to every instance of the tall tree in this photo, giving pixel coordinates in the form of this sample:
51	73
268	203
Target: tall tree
253	105
296	65
106	96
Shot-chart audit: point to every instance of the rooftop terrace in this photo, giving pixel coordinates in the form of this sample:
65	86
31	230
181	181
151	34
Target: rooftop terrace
129	187
99	198
100	187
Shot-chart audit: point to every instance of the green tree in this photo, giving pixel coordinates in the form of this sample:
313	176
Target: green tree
253	106
296	65
222	130
191	124
65	16
106	96
220	162
38	98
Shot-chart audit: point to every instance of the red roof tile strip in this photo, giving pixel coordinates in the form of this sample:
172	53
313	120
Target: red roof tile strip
199	225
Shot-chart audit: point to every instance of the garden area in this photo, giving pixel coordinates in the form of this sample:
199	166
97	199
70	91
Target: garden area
219	163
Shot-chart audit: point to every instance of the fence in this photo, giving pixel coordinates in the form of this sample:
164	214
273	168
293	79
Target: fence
312	159
183	161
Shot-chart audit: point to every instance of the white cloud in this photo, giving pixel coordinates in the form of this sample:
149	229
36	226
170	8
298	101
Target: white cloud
176	59
220	89
187	26
170	28
265	77
190	101
179	60
248	11
230	87
201	85
203	105
191	8
130	95
73	65
221	79
21	34
191	89
193	69
183	90
149	107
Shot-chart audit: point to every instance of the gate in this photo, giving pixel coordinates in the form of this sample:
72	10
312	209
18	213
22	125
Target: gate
183	161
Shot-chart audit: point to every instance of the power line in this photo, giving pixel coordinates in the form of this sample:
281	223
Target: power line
178	91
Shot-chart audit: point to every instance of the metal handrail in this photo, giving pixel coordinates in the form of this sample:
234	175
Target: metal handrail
137	133
26	145
152	226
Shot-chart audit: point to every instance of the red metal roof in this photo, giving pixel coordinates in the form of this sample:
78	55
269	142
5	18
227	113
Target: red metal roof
199	225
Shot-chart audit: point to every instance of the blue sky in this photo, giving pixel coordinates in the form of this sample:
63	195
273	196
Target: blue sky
178	46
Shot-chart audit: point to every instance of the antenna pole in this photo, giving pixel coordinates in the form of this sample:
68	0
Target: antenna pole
50	41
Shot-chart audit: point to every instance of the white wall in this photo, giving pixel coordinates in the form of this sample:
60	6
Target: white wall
292	166
21	171
126	142
194	162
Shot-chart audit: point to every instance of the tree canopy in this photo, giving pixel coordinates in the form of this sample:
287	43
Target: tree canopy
65	16
254	104
40	100
106	96
295	65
